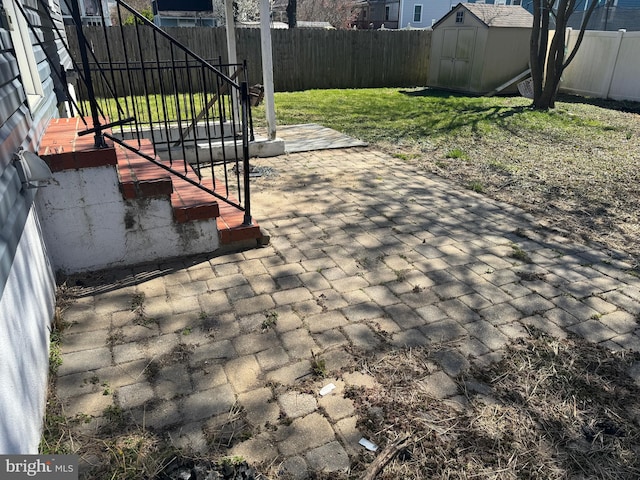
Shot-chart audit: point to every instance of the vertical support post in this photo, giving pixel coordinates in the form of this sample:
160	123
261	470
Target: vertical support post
267	68
232	55
244	102
82	44
232	52
614	67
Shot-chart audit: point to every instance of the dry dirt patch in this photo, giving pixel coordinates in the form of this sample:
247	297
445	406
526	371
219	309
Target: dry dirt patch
550	409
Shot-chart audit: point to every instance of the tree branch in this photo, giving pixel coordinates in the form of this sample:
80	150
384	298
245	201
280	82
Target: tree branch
385	456
583	27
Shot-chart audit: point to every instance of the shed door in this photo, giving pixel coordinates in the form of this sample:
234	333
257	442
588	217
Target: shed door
457	57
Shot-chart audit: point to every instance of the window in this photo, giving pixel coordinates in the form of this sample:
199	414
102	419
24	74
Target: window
21	40
460	17
386	13
516	2
417	13
500	2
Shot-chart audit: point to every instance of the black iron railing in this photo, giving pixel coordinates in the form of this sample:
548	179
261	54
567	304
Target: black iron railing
136	84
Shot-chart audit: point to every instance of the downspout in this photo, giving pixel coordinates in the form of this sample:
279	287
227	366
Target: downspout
400	7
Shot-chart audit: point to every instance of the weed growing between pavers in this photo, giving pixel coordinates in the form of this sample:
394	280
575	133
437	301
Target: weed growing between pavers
270	321
138	308
318	365
476	186
520	254
112	444
225	431
56	424
550	409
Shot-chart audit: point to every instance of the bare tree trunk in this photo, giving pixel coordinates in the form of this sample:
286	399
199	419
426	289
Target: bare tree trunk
547	67
292	8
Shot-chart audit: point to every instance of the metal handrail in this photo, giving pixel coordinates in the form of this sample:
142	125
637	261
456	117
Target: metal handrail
162	91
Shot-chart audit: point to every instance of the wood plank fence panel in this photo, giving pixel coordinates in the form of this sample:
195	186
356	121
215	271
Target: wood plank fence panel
303	58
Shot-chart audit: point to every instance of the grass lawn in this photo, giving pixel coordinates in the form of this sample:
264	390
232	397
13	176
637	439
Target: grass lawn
576	167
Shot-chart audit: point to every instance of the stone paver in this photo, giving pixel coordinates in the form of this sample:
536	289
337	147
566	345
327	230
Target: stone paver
304	434
243	373
208	403
295	404
350	272
330	457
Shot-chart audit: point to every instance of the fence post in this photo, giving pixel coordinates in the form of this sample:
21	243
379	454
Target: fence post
244	106
621	33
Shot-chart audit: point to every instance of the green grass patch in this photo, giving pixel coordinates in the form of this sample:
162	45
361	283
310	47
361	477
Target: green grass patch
476	186
392	115
458	154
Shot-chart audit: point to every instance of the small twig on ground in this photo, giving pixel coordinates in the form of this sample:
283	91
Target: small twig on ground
385	456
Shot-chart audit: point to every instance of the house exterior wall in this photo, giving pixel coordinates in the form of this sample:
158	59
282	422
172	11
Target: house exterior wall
431	12
391	20
26	309
89	12
26	281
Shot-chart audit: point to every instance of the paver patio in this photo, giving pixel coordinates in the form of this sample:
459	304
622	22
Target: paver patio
366	251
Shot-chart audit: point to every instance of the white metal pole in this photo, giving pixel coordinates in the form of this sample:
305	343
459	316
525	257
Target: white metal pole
230	29
267	68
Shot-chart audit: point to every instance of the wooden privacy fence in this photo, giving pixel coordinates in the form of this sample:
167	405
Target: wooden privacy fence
303	58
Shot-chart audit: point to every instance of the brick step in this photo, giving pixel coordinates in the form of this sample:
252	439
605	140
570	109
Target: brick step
62	149
141	178
138	177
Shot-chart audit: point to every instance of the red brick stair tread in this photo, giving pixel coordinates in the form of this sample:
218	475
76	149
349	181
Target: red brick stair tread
138	176
62	149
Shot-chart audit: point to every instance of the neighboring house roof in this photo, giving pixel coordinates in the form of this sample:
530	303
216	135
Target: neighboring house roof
325	25
274	25
491	15
282	25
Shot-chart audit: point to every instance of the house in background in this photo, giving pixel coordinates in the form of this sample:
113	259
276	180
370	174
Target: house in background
89	12
478	47
28	101
184	13
396	14
609	15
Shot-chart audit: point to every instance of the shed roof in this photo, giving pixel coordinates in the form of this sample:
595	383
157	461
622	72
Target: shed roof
491	15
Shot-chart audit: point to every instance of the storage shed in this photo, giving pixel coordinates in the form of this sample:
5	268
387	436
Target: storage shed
477	47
